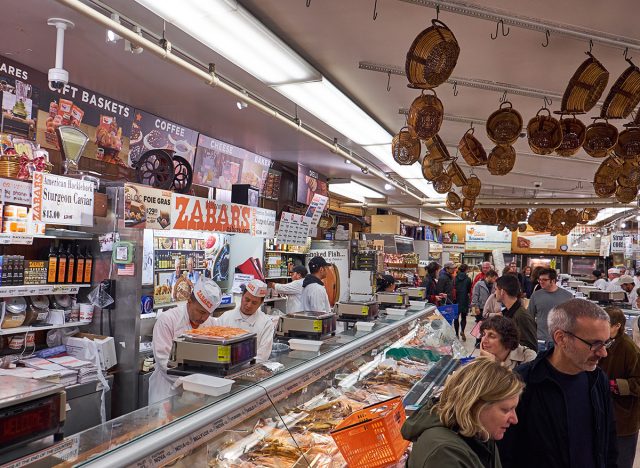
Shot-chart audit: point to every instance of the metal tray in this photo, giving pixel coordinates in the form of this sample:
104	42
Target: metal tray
217	341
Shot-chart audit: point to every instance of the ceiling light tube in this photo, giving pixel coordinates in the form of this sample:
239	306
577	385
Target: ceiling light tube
352	190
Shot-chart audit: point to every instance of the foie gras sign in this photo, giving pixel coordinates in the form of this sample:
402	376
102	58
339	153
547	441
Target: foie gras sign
62	200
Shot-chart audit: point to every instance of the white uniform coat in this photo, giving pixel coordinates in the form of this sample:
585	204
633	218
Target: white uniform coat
601	284
170	325
614	285
293	291
258	323
315	299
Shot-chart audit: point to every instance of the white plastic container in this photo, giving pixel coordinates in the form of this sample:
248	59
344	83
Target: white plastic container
305	345
365	326
86	312
391	312
207	384
417	303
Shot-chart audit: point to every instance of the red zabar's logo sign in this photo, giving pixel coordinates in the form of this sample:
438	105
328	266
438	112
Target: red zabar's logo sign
199	214
36	198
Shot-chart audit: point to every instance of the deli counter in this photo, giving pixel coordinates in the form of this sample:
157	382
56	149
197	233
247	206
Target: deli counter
279	417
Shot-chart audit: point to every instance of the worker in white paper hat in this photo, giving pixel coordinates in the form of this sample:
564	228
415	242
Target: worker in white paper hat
248	316
196	312
614	280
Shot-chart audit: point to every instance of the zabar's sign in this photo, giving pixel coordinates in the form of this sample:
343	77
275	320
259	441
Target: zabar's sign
201	214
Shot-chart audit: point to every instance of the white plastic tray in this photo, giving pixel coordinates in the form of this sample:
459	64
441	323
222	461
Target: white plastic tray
396	312
305	345
207	384
365	326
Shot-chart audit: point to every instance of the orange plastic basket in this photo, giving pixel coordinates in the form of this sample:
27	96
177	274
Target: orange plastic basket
371	436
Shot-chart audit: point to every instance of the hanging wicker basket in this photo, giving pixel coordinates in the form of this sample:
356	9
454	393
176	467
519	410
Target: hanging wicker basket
630	174
623	96
573	134
626	194
437	150
504	125
453	201
501	160
431	169
456	174
472	150
473	187
610	169
442	184
544	133
425	115
600	139
605	190
585	87
432	56
468	203
405	147
628	145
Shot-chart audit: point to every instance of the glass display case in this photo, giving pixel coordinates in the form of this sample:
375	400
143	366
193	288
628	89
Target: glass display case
282	416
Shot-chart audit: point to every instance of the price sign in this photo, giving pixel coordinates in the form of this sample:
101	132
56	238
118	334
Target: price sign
62	200
617	242
16	239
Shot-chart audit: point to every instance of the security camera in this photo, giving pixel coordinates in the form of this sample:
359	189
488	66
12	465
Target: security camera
537	184
58	77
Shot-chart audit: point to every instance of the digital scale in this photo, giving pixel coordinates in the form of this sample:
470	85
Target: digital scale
211	355
417	294
586	290
314	325
358	310
607	297
396	300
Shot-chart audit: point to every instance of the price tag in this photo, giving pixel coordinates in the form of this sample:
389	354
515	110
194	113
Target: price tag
317	325
365	310
21	239
224	353
399	299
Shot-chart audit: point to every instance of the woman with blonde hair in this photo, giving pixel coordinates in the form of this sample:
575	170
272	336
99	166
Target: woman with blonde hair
477	406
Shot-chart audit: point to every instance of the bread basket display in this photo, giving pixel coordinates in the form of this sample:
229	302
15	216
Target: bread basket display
432	56
442	184
544	133
504	125
472	150
456	174
453	201
431	169
600	139
585	87
473	187
425	115
573	134
628	145
405	147
437	150
624	95
501	160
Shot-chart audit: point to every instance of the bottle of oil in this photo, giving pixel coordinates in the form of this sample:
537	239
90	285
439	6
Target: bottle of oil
88	265
71	264
62	265
79	273
53	265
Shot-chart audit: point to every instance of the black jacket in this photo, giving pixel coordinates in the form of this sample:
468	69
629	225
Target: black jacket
462	284
445	284
541	437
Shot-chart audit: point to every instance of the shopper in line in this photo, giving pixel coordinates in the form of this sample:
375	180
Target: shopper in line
463	298
527	283
192	274
629	287
386	283
614	280
194	313
248	316
176	274
481	292
600	282
507	292
565	414
460	429
499	340
445	281
484	269
430	282
534	279
314	294
622	366
543	300
292	290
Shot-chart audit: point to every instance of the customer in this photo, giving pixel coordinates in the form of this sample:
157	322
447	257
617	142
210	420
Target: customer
192	274
614	280
534	278
386	283
527	283
430	282
636	278
599	282
459	430
499	341
566	415
629	287
484	269
445	281
292	290
543	300
622	366
463	298
481	292
314	295
508	292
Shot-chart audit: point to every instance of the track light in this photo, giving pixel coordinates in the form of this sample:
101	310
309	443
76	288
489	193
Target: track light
347	161
365	170
241	105
623	225
133	48
388	186
112	37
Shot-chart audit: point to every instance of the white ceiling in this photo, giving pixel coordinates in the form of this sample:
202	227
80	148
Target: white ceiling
335	35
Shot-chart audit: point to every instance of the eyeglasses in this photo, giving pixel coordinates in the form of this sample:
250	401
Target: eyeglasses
596	345
543	280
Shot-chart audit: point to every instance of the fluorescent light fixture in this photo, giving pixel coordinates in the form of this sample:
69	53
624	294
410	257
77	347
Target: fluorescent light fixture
353	190
231	31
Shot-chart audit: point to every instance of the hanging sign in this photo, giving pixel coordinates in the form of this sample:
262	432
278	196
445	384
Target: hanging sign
62	200
486	238
309	183
617	242
15	191
453	248
293	229
201	214
146	207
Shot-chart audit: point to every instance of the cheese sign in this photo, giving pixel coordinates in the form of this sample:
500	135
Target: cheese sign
617	242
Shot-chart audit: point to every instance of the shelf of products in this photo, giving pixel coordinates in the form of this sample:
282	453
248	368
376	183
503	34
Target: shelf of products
41	289
16	330
282	252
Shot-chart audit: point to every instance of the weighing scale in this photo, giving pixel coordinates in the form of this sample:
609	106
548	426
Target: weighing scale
417	294
357	310
396	300
313	325
211	355
587	289
607	297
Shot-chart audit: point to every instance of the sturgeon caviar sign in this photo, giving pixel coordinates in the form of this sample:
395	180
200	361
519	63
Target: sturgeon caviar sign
62	200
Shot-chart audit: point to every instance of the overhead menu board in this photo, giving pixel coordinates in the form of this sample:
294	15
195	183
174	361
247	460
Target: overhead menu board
309	183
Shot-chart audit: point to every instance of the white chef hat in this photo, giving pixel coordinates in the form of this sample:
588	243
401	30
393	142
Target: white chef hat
612	271
257	288
208	294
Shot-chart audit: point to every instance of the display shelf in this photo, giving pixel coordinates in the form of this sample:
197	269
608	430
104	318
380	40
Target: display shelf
20	238
166	305
401	268
40	289
284	252
276	277
178	250
173	269
16	330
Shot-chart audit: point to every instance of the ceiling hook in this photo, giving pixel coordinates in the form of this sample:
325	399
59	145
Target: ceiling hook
388	81
546	34
504	97
437	12
375	13
308	3
499	24
547	102
455	88
626	55
590	45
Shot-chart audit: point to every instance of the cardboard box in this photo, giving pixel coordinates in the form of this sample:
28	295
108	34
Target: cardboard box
79	347
385	224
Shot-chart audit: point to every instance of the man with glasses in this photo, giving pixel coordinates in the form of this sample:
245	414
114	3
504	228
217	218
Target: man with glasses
543	300
565	415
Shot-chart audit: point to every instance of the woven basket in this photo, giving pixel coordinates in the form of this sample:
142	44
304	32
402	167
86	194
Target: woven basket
431	169
544	133
522	227
487	216
442	184
572	216
437	150
626	194
630	174
473	187
453	201
604	190
432	56
610	169
504	125
623	96
425	116
583	217
521	215
592	213
472	150
456	174
468	203
585	87
501	160
405	148
600	139
628	145
558	216
573	133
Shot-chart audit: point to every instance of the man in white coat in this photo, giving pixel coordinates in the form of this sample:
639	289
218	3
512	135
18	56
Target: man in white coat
292	290
614	280
248	316
314	294
196	312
